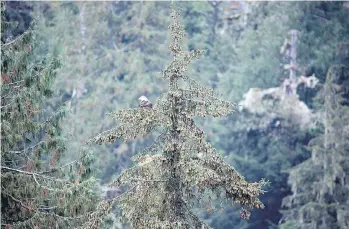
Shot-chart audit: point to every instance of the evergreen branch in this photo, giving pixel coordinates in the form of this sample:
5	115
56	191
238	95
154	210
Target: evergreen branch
103	209
27	207
236	187
126	192
32	173
27	149
7	96
1	107
193	85
193	108
161	100
54	169
195	218
126	131
18	201
42	214
154	147
40	211
133	114
147	180
189	129
45	187
17	82
57	113
202	151
36	181
45	208
146	163
106	136
203	95
16	39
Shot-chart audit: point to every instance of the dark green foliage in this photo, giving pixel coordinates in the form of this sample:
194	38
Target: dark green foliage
16	19
36	190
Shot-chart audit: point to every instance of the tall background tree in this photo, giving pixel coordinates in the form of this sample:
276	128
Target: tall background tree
37	191
319	185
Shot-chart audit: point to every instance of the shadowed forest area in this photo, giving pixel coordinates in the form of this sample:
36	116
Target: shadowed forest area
248	126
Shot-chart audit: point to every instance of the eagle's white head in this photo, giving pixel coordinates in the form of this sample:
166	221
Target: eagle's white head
144	102
143	99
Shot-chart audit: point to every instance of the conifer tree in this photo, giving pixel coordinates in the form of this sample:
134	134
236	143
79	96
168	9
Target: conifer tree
37	191
180	168
320	186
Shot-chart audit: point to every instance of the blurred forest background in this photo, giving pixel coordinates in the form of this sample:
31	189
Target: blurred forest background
66	64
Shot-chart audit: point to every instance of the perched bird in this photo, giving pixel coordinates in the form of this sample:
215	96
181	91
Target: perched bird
144	102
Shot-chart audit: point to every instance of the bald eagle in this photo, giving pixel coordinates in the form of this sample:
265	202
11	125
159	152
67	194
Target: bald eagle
144	102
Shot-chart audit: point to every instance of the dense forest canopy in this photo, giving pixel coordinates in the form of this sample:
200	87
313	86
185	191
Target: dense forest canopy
284	67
